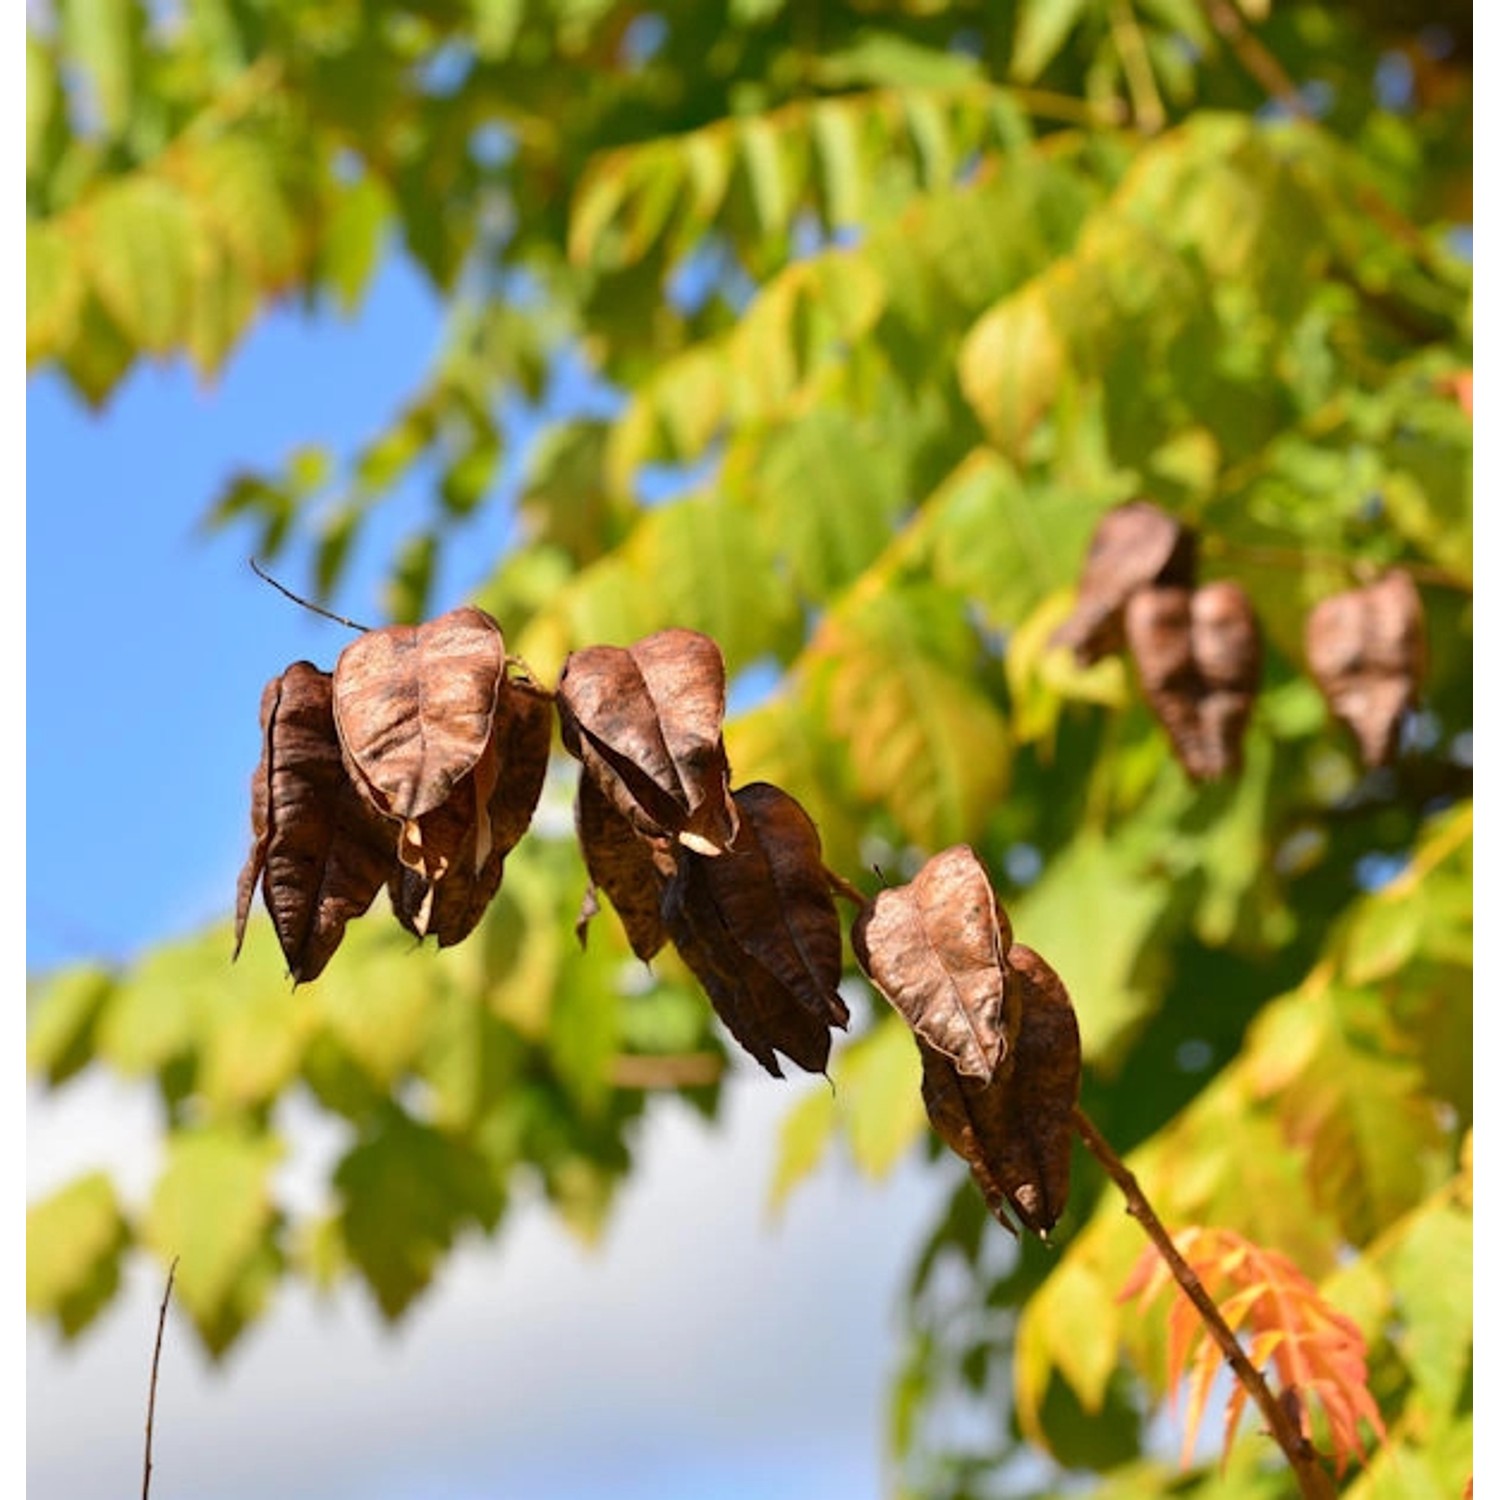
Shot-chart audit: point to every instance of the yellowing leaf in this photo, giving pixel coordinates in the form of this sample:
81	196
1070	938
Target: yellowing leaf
73	1243
139	248
893	671
878	1082
802	1141
211	1209
54	291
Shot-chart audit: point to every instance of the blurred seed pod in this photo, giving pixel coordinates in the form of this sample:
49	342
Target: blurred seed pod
1135	546
1198	653
1367	651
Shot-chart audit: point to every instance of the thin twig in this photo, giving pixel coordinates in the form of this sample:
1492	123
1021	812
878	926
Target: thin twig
841	887
317	609
1312	1479
674	1070
1256	59
161	1326
1360	569
1140	82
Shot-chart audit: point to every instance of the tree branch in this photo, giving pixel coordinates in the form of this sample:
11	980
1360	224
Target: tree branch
161	1327
1312	1478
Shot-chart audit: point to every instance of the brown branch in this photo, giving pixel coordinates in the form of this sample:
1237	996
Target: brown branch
1312	1478
1256	59
841	887
161	1326
317	609
1361	570
673	1070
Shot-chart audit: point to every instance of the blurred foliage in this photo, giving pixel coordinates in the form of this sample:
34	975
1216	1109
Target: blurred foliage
880	305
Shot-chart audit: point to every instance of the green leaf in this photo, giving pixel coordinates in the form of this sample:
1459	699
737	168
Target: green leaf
1098	920
164	1005
351	245
140	254
878	1082
211	1211
407	1191
1043	28
236	185
802	1142
1350	1096
1432	1274
42	96
54	291
824	490
74	1240
103	35
60	1026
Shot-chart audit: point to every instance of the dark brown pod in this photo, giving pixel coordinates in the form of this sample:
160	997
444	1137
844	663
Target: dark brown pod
1135	546
1016	1131
319	853
1367	651
758	927
476	834
415	707
936	950
1199	657
648	725
631	869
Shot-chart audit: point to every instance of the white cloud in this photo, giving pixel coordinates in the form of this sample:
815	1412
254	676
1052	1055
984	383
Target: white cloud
701	1351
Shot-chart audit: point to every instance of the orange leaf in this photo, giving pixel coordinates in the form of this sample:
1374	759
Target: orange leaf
1315	1352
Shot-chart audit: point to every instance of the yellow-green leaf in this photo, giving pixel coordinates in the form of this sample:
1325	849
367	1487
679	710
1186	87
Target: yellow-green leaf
73	1243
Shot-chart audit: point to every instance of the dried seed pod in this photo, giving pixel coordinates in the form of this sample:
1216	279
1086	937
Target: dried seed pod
1016	1131
319	852
1367	650
415	707
479	834
648	724
631	869
936	950
1135	546
1199	657
758	927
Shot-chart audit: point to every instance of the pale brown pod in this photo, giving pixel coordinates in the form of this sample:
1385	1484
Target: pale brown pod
1135	546
415	707
482	820
630	868
935	948
1367	651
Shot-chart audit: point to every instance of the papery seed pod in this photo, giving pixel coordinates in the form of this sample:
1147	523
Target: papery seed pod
1367	651
477	835
758	928
1135	546
936	950
319	852
648	725
415	707
1199	658
631	869
1016	1131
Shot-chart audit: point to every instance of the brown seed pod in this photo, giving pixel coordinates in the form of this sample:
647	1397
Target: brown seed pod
319	853
1367	651
648	725
1016	1131
1135	546
479	834
758	927
936	950
415	707
631	869
1199	657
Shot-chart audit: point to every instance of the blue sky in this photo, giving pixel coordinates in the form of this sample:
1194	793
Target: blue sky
702	1352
